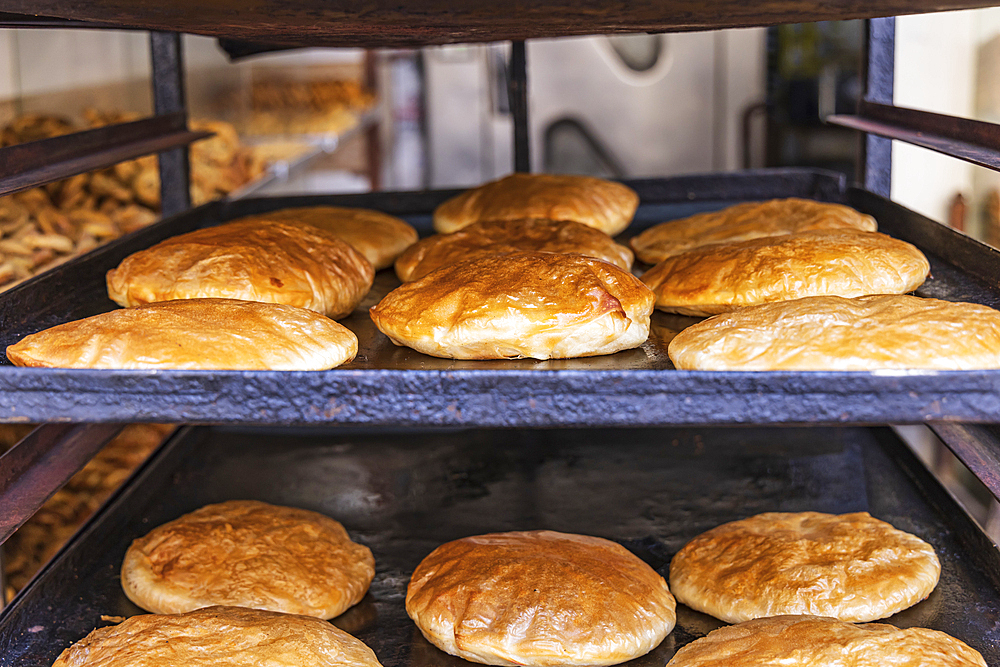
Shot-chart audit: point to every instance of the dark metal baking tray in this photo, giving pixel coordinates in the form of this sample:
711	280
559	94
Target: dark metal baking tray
388	385
404	493
380	23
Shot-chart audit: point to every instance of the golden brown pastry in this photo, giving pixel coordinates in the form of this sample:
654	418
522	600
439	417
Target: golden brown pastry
503	237
219	636
743	222
193	334
378	236
539	598
833	333
255	260
248	554
540	305
849	566
813	641
726	276
603	205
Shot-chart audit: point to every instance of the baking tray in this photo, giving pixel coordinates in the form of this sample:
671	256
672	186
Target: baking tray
388	385
403	493
394	23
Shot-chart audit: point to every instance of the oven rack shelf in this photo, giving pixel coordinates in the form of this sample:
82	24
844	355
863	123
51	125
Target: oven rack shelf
402	493
392	386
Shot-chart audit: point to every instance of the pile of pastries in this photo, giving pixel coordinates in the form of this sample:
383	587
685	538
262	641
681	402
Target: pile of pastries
290	107
245	582
43	227
527	266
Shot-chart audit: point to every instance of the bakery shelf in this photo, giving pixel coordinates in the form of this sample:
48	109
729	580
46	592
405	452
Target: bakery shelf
392	386
402	493
380	23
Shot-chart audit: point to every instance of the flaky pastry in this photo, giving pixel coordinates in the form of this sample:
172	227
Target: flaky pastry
540	305
193	334
722	277
539	598
742	222
378	236
248	554
254	260
503	237
814	641
595	202
833	333
849	566
219	636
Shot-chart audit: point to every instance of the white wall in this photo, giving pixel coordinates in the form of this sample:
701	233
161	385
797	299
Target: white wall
936	62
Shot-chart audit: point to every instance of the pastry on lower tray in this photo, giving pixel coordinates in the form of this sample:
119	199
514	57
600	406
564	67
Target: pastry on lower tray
540	305
746	221
848	566
813	641
595	202
248	554
193	334
539	598
218	636
502	237
834	333
380	237
253	260
722	277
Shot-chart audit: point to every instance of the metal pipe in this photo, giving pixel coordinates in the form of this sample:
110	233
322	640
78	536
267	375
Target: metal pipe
168	97
518	91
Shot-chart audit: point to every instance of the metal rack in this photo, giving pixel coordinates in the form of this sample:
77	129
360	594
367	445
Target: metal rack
391	388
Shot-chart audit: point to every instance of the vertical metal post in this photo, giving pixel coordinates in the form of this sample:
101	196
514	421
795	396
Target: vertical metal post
518	92
168	97
877	70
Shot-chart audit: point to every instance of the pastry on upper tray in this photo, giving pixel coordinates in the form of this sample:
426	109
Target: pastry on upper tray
722	277
848	566
502	237
193	334
378	236
253	260
595	202
742	222
218	636
541	305
539	598
813	641
837	334
248	554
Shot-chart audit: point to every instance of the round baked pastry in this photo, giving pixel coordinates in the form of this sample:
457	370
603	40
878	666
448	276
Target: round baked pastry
539	598
603	205
503	237
540	305
834	333
742	222
193	334
722	277
254	260
248	554
849	566
378	236
813	641
218	636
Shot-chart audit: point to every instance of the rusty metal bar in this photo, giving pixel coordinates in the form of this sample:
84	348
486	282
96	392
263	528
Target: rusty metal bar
878	77
36	163
971	140
518	92
40	464
977	446
169	98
